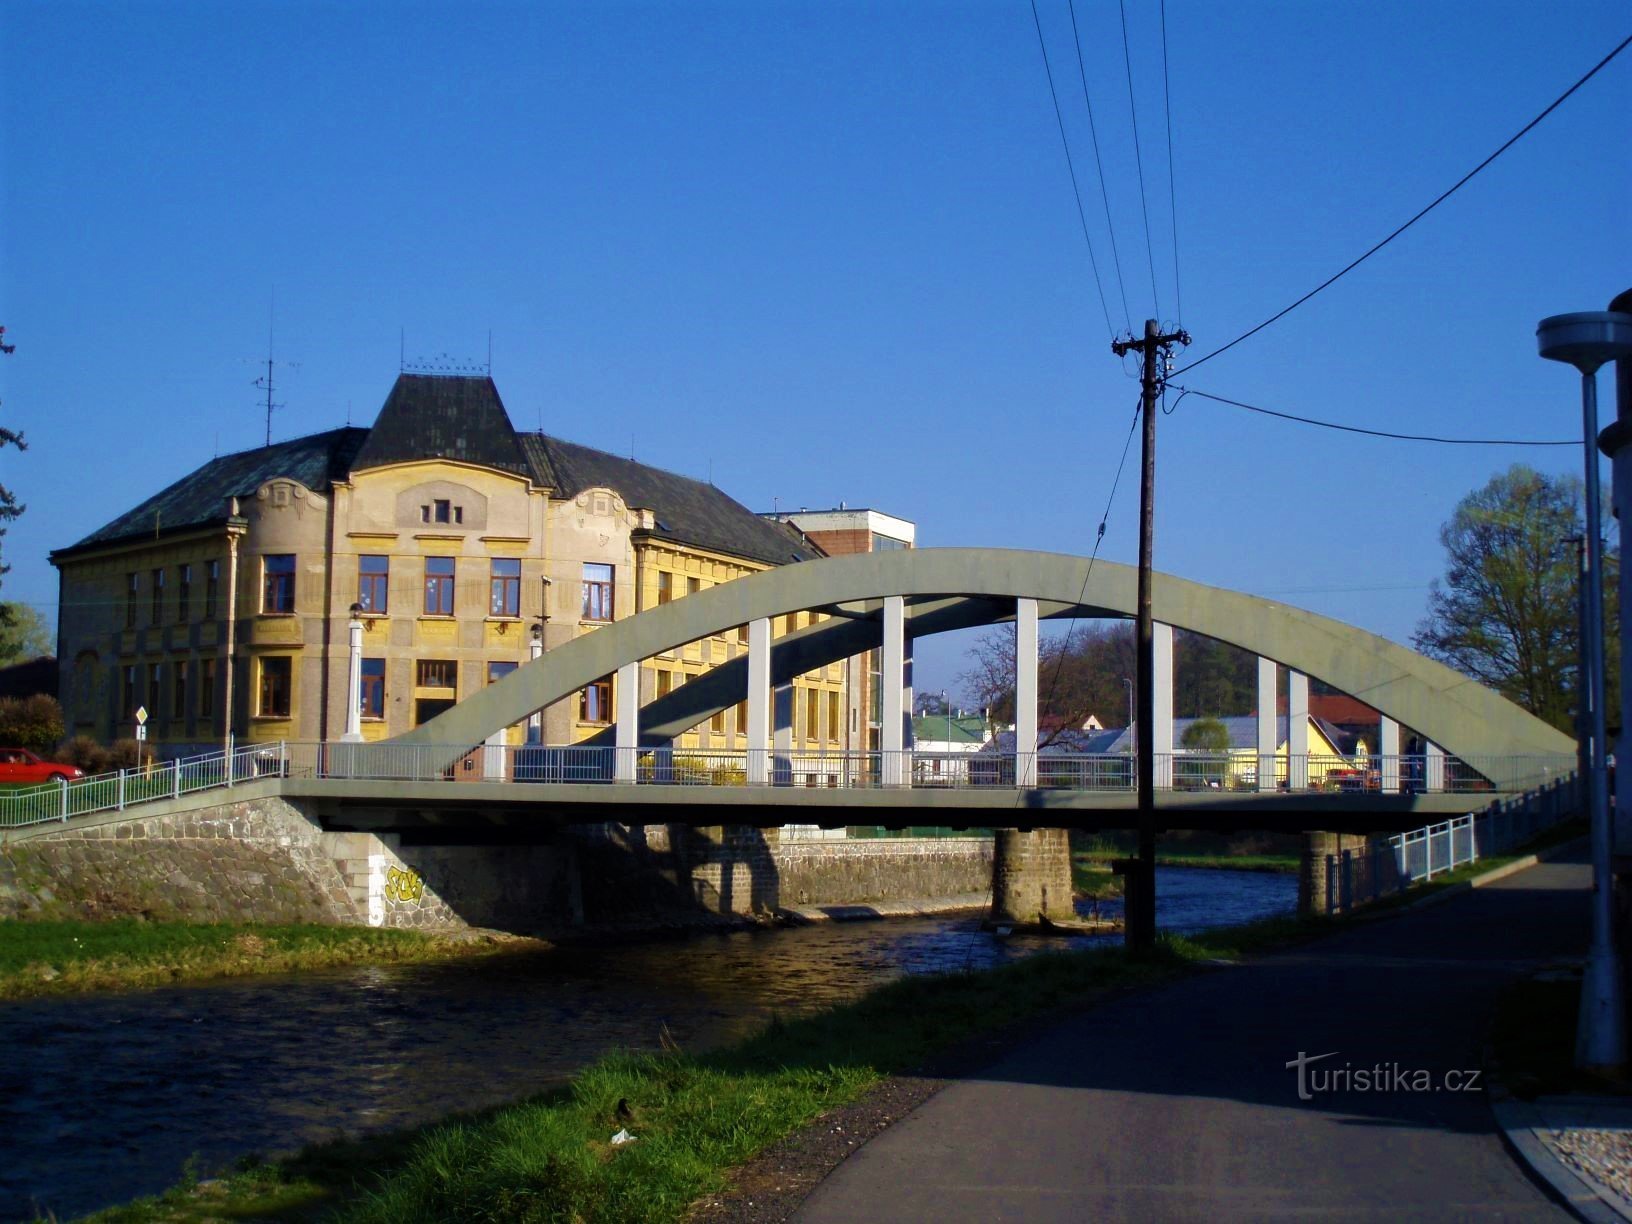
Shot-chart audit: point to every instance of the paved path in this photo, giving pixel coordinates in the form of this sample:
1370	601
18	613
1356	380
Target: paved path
1177	1104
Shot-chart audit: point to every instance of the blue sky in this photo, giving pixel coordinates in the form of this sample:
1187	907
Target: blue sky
824	252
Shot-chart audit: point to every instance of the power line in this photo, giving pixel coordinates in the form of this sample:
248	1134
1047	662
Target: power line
1375	433
1099	538
1082	72
1139	159
1172	192
1437	201
1076	191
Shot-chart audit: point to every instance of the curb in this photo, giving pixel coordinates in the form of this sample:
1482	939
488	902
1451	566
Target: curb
1520	1123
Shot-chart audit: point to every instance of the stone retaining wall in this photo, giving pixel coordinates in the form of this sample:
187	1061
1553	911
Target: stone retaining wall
262	859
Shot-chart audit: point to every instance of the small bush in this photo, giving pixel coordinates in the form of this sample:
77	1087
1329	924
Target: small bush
33	722
93	758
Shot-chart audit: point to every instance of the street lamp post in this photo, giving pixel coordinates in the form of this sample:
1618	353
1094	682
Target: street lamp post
535	720
1587	340
354	678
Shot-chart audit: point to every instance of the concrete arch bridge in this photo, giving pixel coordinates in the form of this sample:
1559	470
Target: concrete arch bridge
1478	743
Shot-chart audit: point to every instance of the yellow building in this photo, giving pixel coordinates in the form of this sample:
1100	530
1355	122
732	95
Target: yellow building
467	545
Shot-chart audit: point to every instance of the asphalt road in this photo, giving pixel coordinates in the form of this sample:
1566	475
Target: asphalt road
1177	1103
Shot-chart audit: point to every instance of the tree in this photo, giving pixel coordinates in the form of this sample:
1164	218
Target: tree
1206	735
1506	612
34	722
24	635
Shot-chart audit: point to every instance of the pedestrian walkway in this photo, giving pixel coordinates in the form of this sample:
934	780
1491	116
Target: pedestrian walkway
1178	1103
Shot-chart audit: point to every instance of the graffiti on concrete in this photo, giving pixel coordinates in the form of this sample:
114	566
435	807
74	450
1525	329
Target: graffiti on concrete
403	887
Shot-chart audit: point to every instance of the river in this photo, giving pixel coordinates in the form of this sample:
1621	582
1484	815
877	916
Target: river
105	1097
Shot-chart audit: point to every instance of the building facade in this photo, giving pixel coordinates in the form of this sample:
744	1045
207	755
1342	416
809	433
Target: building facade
220	605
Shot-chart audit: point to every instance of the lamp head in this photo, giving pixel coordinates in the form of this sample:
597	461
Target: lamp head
1586	339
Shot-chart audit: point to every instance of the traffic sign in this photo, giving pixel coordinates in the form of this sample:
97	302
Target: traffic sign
141	715
141	732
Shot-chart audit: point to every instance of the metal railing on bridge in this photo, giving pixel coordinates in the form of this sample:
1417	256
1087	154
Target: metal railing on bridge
545	764
1392	864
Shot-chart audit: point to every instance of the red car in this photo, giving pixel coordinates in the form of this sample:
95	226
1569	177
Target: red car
21	765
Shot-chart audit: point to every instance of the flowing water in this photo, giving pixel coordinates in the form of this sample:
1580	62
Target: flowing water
106	1097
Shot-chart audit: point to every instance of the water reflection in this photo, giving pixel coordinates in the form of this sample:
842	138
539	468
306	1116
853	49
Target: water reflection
103	1098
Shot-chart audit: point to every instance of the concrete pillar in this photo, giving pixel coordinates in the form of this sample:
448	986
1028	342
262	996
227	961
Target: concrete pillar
782	735
627	736
354	683
891	674
759	701
1312	876
1268	698
1025	692
1388	753
1161	743
1433	769
1031	877
1297	731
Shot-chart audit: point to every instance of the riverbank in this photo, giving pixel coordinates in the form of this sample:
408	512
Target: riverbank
59	957
694	1118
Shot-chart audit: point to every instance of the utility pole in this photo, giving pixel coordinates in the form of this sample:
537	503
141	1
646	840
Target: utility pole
1140	874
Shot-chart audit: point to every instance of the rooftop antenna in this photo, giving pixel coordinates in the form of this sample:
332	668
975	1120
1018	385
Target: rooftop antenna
402	349
631	446
490	352
265	381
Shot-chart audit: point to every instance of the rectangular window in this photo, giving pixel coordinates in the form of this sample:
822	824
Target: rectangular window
665	587
717	723
277	686
436	673
742	718
597	592
505	592
373	584
595	703
184	592
742	635
499	670
665	681
438	586
441	511
212	584
128	700
371	696
693	585
153	690
833	721
813	707
278	583
158	595
133	586
178	690
791	623
206	687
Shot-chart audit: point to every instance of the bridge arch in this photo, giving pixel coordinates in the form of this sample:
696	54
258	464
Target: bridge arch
950	588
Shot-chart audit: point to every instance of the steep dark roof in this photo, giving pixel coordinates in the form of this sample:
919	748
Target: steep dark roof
687	511
200	498
462	419
431	416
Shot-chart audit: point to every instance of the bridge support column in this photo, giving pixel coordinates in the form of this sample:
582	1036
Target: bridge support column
1269	676
1313	881
628	730
1433	768
1031	877
1297	731
759	701
1161	744
1388	748
1025	694
782	735
891	675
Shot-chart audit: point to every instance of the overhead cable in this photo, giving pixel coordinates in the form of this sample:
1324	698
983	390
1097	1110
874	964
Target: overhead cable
1076	191
1435	203
1375	433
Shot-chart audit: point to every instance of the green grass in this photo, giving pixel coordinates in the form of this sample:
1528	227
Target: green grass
63	957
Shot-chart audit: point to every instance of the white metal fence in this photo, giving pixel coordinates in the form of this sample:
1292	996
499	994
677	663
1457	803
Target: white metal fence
1393	864
547	764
